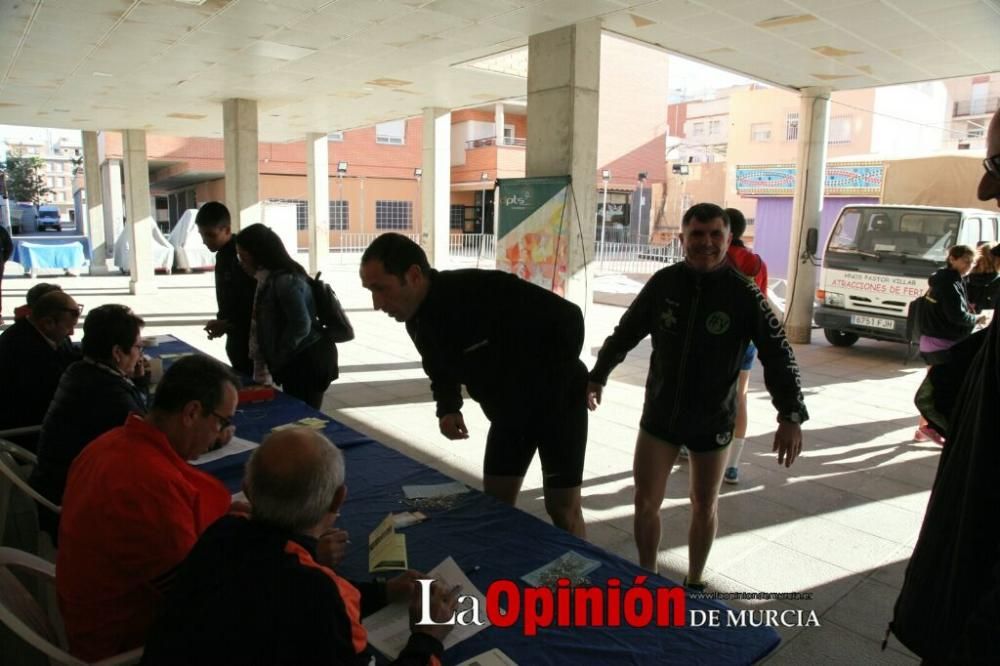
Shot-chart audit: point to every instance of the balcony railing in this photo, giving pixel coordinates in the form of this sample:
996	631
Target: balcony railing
976	107
492	141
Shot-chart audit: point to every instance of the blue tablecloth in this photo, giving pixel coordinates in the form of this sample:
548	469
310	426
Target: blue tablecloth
504	543
38	255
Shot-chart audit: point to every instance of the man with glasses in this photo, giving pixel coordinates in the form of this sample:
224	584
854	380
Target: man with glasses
989	186
34	352
948	609
134	507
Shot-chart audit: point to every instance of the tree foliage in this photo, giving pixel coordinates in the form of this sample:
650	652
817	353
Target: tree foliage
25	178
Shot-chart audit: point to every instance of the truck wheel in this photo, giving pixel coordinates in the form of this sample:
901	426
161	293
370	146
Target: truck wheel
840	338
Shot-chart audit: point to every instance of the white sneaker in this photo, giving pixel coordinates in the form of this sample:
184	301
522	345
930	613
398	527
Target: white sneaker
732	475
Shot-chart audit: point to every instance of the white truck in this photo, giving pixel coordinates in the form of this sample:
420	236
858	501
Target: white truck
878	259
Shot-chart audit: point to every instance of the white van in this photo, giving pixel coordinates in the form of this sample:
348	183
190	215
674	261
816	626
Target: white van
878	259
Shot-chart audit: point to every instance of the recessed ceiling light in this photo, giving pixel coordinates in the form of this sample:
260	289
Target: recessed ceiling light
103	74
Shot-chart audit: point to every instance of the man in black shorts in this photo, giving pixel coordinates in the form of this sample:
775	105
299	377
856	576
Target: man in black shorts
516	348
701	315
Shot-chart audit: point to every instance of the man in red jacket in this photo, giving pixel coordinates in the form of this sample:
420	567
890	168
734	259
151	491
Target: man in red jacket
134	508
751	265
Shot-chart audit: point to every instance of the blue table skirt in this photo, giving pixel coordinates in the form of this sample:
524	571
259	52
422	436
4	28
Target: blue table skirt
38	255
504	543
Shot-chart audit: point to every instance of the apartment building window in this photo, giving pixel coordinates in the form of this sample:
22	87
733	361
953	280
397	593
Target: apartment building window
714	127
840	129
698	129
456	219
393	214
57	166
509	136
340	215
974	129
335	136
760	132
392	133
791	127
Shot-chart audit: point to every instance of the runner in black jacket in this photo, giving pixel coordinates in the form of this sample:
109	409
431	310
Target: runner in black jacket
701	315
516	348
234	287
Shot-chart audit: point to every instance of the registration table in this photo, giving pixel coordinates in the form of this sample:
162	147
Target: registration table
492	541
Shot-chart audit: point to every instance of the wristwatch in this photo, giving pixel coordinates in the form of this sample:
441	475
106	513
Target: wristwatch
791	417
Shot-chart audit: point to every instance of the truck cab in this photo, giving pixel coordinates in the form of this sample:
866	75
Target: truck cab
878	259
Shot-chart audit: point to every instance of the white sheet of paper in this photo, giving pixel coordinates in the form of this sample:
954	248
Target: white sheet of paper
389	628
435	490
494	657
235	445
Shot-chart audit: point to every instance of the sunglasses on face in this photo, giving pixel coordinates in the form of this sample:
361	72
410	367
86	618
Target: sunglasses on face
992	166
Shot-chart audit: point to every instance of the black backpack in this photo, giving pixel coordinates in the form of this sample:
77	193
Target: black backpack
916	315
329	313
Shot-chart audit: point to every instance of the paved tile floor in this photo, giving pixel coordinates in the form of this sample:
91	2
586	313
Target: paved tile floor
840	524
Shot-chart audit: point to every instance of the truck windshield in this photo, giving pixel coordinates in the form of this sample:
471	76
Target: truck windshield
913	233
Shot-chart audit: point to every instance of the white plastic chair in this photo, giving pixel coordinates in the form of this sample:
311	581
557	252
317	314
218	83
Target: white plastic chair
12	457
23	615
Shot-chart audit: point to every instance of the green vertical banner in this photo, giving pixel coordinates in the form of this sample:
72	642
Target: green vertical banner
533	230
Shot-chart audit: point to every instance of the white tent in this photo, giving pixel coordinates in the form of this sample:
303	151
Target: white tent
189	249
163	252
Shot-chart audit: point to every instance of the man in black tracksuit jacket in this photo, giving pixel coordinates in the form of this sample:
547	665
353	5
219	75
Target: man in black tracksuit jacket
234	288
516	348
701	314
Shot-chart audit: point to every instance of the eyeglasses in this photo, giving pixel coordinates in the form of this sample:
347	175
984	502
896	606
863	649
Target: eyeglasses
992	166
224	421
76	312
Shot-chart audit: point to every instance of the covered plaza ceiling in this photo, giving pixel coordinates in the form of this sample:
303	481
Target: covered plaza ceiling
324	65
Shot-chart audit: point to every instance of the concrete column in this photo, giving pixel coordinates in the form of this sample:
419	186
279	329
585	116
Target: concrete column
239	120
138	212
498	122
100	250
111	188
435	186
318	178
807	210
563	86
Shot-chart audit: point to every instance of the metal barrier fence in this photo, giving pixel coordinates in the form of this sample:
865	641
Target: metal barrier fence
480	250
608	257
475	250
348	247
635	257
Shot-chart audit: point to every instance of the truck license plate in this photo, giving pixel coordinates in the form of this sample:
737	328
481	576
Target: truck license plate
873	322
